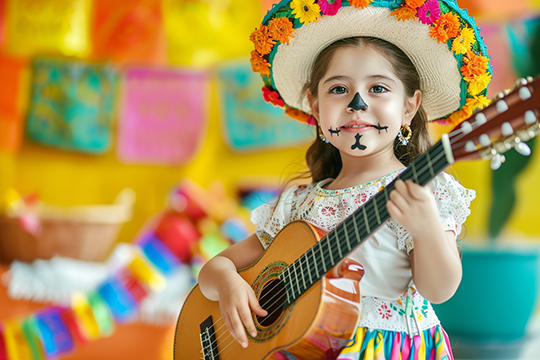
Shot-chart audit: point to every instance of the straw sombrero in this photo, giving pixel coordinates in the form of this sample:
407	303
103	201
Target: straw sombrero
441	40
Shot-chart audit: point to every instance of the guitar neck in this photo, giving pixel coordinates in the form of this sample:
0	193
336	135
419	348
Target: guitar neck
338	243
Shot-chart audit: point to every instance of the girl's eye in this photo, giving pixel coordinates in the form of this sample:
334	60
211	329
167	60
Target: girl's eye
378	89
339	90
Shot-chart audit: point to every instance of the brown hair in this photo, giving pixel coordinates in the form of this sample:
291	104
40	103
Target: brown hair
324	160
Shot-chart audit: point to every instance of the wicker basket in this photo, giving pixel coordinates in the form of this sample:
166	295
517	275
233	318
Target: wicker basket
85	232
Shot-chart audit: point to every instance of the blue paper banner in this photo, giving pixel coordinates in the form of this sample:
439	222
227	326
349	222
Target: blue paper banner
249	122
72	105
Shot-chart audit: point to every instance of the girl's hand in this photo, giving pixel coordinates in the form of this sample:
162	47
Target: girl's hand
413	206
236	301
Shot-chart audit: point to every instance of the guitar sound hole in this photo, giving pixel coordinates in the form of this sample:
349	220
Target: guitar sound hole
273	296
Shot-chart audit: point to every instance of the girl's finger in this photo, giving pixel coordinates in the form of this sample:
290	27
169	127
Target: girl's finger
399	200
236	328
247	320
393	210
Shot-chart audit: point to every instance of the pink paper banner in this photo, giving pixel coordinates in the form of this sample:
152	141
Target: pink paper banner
494	35
162	116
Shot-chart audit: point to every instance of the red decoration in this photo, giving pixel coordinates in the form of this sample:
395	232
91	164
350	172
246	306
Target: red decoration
178	234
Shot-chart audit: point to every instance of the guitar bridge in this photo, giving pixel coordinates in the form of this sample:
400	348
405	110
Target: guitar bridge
208	340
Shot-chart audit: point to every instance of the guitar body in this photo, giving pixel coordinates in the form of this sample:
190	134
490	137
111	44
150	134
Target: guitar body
316	326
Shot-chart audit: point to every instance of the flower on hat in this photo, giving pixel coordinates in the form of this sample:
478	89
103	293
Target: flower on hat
306	10
413	4
298	115
474	65
360	3
459	116
329	7
462	43
477	102
272	97
404	13
263	43
447	26
259	64
477	84
429	12
280	29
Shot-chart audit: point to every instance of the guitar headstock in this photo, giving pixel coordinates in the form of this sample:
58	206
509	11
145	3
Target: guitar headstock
508	122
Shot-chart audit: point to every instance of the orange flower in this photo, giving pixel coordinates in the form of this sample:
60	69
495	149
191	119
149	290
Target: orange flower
259	64
263	43
404	13
360	3
297	114
280	29
459	116
415	4
447	26
474	65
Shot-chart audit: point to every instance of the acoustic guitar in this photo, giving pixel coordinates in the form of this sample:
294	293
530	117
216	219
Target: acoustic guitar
313	311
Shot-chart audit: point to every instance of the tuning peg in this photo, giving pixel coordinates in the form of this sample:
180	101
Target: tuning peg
530	117
506	129
523	149
521	81
480	119
466	127
502	106
530	79
498	96
524	93
496	161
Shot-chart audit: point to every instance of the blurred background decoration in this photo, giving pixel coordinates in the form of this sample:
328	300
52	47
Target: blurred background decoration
134	142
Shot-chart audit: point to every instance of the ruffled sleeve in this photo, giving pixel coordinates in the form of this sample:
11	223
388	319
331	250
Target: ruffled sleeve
269	218
453	202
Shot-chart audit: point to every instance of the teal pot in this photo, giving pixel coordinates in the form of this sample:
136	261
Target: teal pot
487	317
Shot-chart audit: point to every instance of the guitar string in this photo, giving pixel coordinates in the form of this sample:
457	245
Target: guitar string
436	159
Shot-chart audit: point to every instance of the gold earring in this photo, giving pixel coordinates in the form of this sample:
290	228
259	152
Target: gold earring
405	134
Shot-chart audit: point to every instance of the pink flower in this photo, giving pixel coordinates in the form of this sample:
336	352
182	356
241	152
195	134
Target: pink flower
429	12
360	198
328	211
385	312
330	7
271	96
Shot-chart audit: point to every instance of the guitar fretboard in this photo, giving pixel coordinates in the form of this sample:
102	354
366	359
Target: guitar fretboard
338	243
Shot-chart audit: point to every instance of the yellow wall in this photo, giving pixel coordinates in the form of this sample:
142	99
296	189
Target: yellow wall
69	178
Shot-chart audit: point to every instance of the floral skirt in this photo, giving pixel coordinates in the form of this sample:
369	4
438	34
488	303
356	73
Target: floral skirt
431	344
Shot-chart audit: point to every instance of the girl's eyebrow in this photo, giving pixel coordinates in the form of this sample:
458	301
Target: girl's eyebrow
337	77
371	78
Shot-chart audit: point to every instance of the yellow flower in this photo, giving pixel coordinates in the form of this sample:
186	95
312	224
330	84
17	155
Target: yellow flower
306	10
477	84
477	102
462	43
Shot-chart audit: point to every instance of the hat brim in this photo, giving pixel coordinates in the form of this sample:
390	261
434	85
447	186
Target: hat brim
440	77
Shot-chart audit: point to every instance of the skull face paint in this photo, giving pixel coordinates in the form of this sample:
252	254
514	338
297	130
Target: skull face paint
357	144
379	127
332	132
357	103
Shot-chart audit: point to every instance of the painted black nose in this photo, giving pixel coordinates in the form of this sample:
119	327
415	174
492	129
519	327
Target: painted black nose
357	103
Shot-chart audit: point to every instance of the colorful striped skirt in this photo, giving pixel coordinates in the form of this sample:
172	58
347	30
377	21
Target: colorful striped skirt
431	344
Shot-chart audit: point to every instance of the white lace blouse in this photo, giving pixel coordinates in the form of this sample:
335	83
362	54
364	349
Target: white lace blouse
387	281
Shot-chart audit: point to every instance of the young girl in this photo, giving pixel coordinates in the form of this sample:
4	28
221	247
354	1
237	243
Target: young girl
370	75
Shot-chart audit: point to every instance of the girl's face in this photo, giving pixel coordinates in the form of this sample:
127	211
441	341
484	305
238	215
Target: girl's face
371	129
